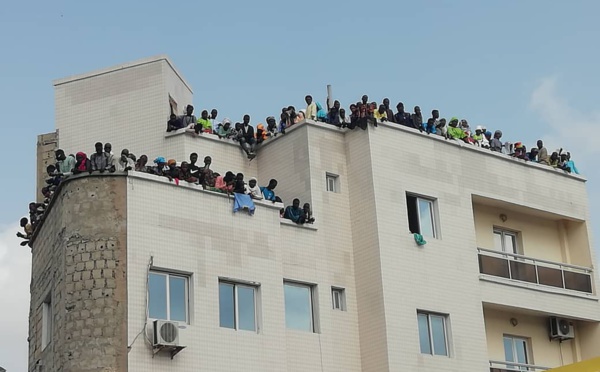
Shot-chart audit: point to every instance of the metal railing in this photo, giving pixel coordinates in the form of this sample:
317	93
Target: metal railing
537	271
510	366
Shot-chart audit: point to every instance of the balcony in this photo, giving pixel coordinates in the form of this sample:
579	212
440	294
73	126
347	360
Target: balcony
498	366
545	274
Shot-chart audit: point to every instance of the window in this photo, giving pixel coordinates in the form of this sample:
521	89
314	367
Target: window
168	296
237	306
338	298
299	313
505	241
433	337
332	182
47	321
515	351
421	216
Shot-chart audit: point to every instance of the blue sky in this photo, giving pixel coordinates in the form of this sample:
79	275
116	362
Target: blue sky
526	67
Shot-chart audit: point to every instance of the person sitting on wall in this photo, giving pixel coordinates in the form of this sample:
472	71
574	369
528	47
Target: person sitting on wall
161	169
225	130
520	151
321	113
333	114
213	119
189	119
27	229
203	125
571	164
54	178
185	173
140	165
495	144
454	131
246	137
206	175
532	154
300	116
402	117
36	211
308	213
268	192
100	159
344	120
478	136
253	189
272	130
132	157
124	163
225	183
440	128
261	134
112	161
172	170
295	213
82	164
381	113
239	185
174	123
64	164
542	156
416	120
388	111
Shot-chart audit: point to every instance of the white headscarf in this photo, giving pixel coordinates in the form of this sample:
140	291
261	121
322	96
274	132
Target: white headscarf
254	192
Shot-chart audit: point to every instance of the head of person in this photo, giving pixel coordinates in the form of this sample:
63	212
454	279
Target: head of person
488	134
99	148
239	177
386	103
435	114
453	122
382	109
173	117
400	107
80	156
336	104
59	154
271	121
189	110
417	110
107	147
365	99
441	123
353	108
252	182
184	166
172	163
498	134
568	155
50	169
160	162
23	222
238	126
306	207
373	106
132	156
301	115
124	154
32	206
246	119
342	113
207	161
308	99
554	156
564	157
296	203
534	151
204	114
214	113
464	123
229	177
193	158
143	160
479	130
227	125
540	144
272	184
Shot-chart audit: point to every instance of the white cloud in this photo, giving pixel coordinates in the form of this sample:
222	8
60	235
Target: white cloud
15	270
571	128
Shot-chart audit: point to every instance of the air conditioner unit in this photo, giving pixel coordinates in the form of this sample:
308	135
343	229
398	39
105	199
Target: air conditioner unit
166	333
561	329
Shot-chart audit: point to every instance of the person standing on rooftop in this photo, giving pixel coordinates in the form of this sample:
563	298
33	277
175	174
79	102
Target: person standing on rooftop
204	125
365	100
388	111
311	108
542	156
214	124
417	120
401	117
189	119
333	116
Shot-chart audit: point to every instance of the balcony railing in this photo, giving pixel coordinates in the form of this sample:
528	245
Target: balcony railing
498	366
536	271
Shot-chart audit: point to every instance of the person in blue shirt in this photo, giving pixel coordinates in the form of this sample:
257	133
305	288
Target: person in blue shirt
295	213
268	192
570	165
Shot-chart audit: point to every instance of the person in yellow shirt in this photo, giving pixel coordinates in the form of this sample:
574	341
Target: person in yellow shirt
381	113
204	125
311	108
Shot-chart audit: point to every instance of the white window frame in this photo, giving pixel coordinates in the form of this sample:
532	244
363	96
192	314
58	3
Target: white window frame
503	233
236	319
526	342
168	275
430	331
432	209
47	321
332	182
311	298
340	293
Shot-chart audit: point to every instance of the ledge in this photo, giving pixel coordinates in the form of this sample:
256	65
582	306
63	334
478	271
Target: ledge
286	222
537	287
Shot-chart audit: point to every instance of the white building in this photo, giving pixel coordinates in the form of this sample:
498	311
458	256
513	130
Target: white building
508	250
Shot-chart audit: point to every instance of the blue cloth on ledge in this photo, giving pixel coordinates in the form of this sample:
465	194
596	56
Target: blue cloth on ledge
243	201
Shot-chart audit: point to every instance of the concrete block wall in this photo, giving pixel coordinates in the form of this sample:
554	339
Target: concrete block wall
80	259
46	145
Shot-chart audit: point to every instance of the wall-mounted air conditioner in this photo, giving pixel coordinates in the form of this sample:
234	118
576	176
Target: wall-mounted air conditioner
561	329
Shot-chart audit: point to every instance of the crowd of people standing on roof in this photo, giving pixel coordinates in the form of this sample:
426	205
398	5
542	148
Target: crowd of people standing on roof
362	114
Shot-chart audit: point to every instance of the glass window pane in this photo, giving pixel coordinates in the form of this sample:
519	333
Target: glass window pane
510	244
177	298
424	334
246	308
298	314
521	348
439	335
157	296
508	350
426	217
226	306
498	241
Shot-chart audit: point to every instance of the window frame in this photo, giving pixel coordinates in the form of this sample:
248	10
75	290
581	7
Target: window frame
506	232
341	292
445	325
236	312
433	210
168	274
526	342
47	321
313	306
335	180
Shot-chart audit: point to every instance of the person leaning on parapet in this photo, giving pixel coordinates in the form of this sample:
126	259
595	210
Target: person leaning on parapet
381	113
542	156
268	192
308	213
295	213
388	110
454	131
333	116
495	144
189	119
124	163
64	164
253	189
100	159
402	117
112	162
141	164
213	119
203	125
417	120
83	164
174	123
225	130
272	130
206	175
